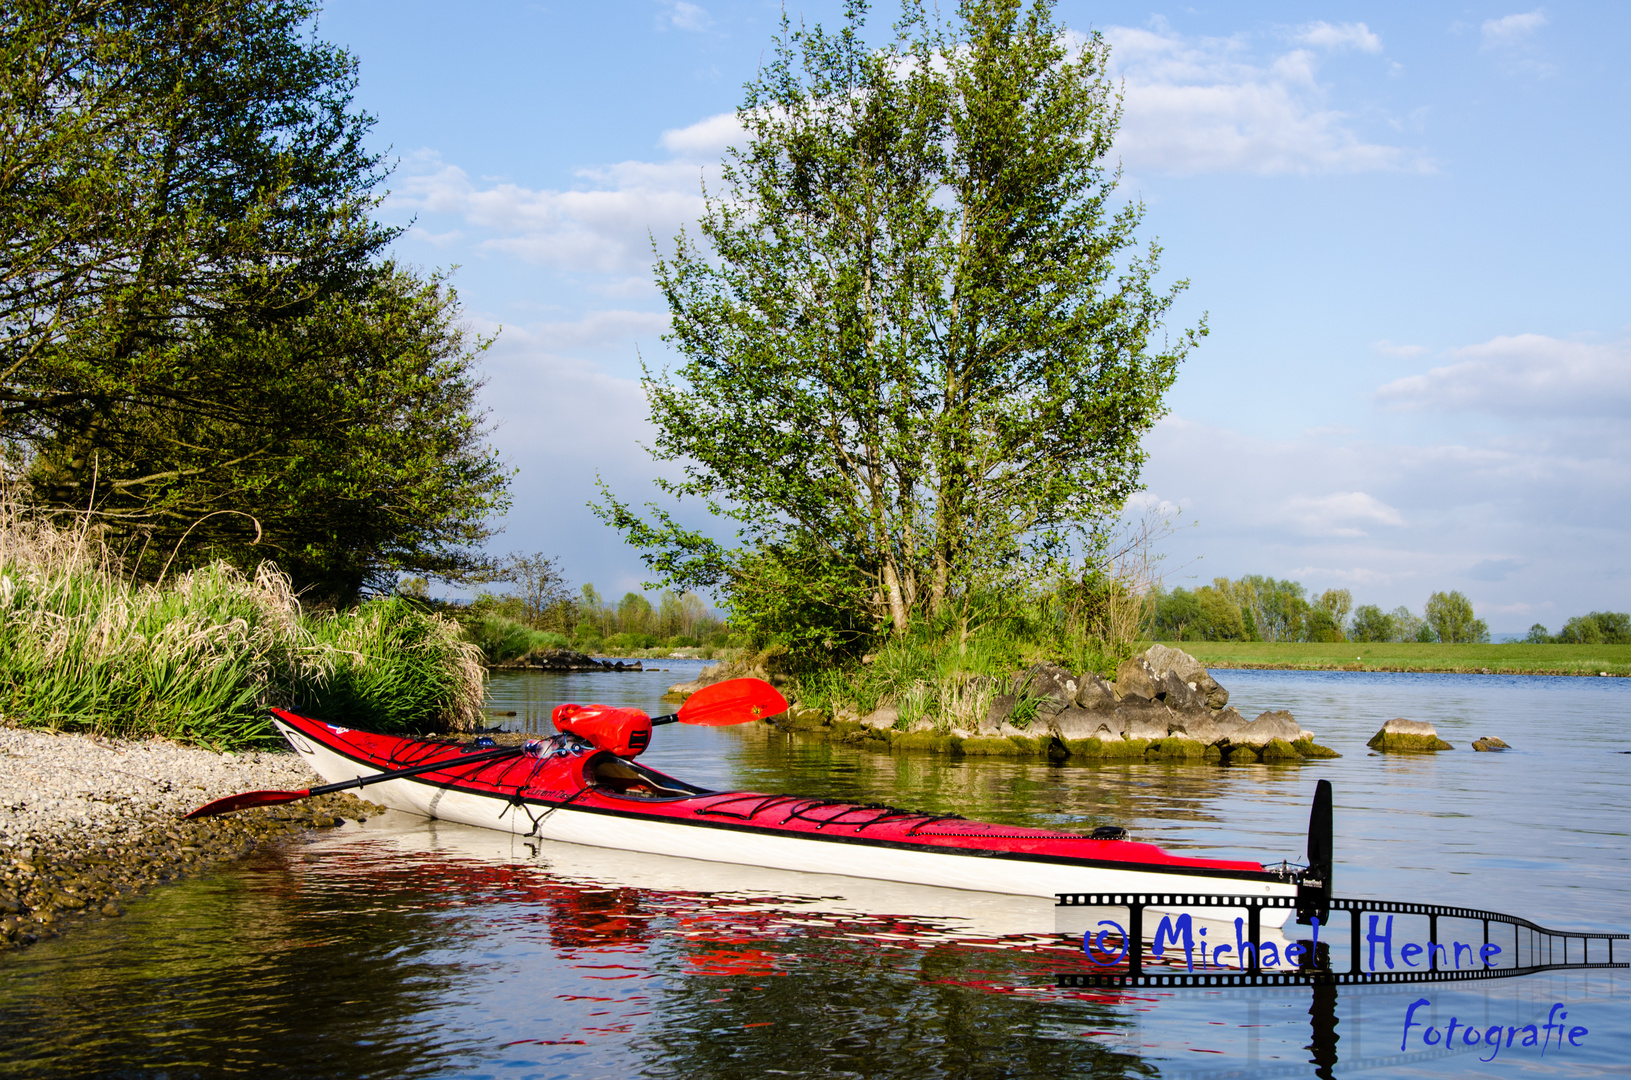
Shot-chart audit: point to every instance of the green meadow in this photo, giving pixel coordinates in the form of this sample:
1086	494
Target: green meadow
1512	659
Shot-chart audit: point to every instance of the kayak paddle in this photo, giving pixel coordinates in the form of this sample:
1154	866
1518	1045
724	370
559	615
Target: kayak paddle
245	800
736	701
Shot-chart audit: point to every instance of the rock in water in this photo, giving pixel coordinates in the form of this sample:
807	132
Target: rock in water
1164	658
1489	743
1268	727
1143	719
1077	723
1401	736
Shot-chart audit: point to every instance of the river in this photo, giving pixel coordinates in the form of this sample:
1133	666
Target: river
405	948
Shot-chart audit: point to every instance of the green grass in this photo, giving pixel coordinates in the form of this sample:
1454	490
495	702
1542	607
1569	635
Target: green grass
199	657
1514	659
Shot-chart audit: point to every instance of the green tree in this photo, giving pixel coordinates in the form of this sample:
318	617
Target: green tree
1220	615
199	336
1371	623
1451	617
547	602
1179	617
920	346
1537	635
1597	628
1408	626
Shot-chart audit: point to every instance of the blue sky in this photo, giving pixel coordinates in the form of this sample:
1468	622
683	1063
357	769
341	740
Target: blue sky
1407	224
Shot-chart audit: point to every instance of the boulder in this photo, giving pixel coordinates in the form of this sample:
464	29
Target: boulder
1095	694
1164	658
1197	725
1143	719
1266	728
1052	686
1401	736
882	717
1488	744
998	712
1078	723
1229	720
1136	679
1176	694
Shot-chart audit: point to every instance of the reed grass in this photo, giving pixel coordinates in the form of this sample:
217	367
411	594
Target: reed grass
501	638
200	656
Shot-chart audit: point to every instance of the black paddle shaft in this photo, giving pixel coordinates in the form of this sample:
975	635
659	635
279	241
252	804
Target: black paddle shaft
445	763
1314	890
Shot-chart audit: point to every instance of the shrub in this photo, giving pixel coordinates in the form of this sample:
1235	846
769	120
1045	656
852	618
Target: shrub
200	657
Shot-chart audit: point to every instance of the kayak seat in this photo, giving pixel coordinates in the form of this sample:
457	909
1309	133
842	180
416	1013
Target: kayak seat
614	776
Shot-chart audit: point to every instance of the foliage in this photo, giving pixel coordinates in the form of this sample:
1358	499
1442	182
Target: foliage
201	656
198	335
920	345
1207	614
1371	623
1451	617
1597	628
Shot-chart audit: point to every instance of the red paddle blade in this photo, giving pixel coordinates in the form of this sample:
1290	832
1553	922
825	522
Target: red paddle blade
736	701
244	800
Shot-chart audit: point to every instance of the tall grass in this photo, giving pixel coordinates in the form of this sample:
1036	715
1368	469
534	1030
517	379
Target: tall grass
949	674
500	638
200	657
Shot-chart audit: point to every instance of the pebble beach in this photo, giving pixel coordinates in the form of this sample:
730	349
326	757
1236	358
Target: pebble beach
88	824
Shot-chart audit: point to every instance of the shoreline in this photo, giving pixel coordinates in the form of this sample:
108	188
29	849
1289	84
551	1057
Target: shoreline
1312	665
89	824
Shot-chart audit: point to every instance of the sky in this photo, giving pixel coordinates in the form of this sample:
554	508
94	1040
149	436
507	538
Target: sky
1405	225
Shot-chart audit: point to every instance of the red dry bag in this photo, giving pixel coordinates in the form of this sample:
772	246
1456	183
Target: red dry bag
624	732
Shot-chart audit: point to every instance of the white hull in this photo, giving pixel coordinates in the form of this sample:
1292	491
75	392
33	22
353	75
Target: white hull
941	869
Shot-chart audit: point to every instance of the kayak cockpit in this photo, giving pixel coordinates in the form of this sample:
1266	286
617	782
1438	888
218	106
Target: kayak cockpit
611	775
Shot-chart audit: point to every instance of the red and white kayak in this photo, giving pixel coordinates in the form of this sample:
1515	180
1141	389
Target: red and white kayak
567	789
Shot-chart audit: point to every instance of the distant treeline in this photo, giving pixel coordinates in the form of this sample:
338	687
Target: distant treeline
540	610
1256	608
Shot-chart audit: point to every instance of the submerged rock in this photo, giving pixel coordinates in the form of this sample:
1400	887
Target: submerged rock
1401	736
1489	743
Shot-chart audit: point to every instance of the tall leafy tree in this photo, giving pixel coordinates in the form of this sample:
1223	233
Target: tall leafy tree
920	342
199	335
1452	620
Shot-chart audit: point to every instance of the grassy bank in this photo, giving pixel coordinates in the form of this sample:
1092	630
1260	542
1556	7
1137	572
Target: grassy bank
1513	659
200	656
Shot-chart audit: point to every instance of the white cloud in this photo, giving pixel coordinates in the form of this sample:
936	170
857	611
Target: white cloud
598	329
1339	514
605	226
1342	36
1510	30
683	16
706	139
1198	105
1501	521
1523	375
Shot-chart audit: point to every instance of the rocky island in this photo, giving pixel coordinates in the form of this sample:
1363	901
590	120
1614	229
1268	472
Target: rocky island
1162	706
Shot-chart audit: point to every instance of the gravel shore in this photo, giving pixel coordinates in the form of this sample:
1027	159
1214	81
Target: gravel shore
87	823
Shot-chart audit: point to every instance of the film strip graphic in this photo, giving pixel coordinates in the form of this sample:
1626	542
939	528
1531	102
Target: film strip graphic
1534	948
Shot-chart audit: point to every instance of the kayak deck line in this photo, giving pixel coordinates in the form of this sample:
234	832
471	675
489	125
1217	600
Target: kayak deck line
568	789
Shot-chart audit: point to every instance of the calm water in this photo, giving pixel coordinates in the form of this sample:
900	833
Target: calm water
403	948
